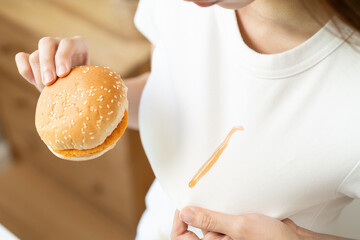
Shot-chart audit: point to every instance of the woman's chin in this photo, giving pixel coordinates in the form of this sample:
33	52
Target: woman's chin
234	4
205	4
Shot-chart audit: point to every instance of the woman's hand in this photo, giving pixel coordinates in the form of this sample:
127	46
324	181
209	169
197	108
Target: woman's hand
53	59
216	226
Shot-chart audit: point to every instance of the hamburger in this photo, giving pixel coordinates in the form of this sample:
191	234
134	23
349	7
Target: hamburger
83	115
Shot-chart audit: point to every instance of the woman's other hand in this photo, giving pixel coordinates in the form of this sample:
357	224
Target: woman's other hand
53	58
216	226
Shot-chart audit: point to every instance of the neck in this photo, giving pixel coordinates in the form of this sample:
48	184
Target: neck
284	24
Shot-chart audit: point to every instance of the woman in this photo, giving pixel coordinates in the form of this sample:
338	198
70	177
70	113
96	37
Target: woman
272	66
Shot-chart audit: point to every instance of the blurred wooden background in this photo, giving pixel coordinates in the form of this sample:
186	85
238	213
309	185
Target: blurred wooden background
41	196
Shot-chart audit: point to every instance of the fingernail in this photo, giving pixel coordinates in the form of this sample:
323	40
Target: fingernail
187	215
61	70
48	77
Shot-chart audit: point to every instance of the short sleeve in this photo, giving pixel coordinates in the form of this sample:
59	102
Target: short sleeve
145	20
351	184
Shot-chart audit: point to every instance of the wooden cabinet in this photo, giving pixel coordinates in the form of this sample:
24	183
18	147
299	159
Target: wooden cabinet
43	197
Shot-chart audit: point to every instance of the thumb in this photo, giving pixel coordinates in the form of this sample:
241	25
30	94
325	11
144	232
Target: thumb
208	220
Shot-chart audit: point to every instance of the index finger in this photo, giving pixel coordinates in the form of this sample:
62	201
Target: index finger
180	229
47	50
210	220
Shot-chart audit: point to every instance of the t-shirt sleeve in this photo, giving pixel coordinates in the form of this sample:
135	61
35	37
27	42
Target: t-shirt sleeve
351	184
145	20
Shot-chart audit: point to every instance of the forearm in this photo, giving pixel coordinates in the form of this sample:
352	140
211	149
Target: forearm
135	87
309	235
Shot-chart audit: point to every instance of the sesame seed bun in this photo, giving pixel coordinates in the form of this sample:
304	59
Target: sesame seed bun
83	115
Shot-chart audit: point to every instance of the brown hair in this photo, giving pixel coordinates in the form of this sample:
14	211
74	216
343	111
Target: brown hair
347	10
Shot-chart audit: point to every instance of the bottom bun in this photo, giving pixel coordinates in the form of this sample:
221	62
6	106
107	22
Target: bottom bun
83	158
87	154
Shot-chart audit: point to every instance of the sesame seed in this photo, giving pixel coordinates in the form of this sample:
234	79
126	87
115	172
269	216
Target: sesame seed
100	106
87	118
111	112
65	138
109	90
112	100
115	96
91	133
85	102
107	106
92	138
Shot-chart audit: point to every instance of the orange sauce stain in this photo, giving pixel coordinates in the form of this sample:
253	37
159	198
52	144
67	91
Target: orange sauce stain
214	157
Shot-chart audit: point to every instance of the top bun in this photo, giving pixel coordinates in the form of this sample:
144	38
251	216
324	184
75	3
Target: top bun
81	110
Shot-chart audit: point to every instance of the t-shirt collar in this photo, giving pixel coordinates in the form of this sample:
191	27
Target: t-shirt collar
288	63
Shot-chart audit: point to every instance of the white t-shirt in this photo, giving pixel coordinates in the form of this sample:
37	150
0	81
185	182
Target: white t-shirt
299	156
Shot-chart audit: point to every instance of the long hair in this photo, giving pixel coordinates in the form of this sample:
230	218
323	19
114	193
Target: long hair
347	10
